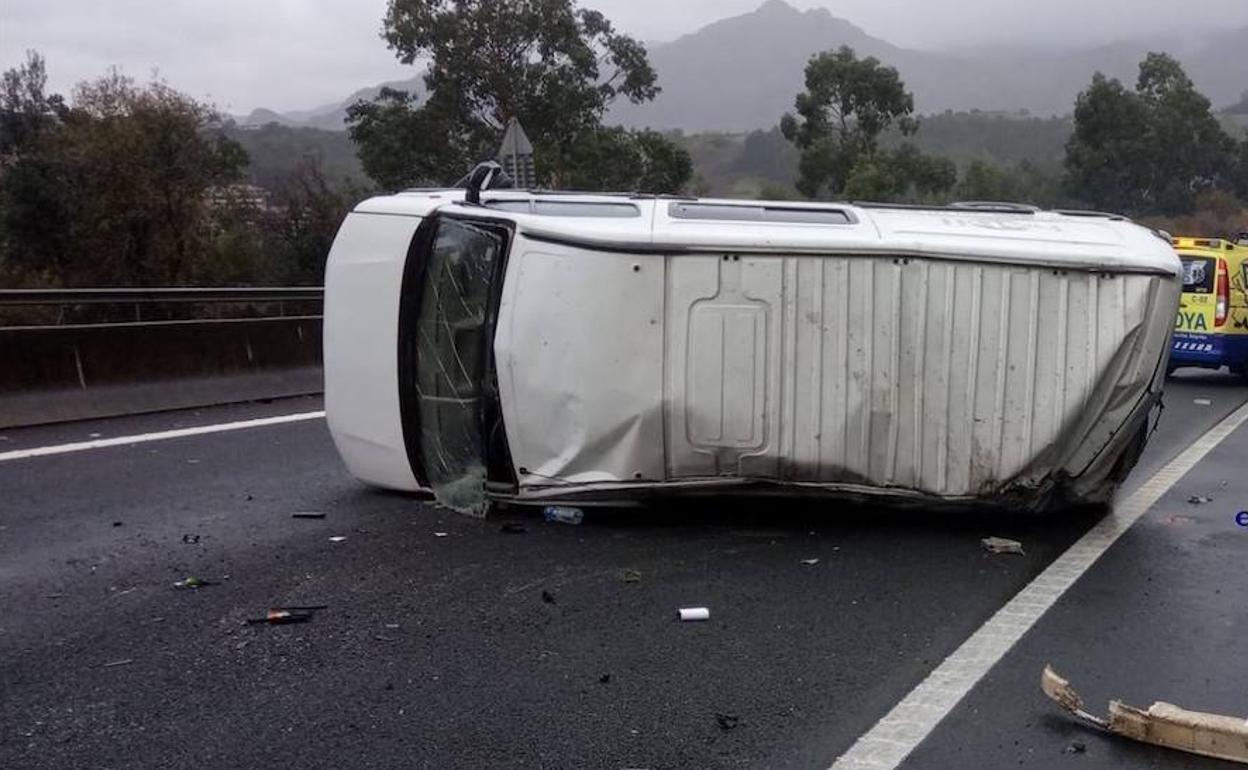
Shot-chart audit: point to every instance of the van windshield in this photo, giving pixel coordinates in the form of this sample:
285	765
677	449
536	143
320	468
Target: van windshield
1199	274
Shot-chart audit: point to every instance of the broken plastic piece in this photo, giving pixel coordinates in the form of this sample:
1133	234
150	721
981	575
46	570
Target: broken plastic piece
193	582
631	576
810	562
441	534
1199	499
308	515
1002	545
282	615
1163	724
337	538
1203	402
563	515
695	613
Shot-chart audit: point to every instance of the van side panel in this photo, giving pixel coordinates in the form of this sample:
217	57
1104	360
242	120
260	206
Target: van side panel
363	278
579	349
948	378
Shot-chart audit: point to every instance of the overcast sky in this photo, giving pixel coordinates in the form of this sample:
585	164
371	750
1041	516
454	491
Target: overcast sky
293	54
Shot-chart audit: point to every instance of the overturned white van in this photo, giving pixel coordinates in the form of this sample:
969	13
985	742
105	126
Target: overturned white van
534	347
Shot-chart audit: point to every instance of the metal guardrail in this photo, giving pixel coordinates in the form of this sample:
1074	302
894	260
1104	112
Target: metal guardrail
27	297
22	309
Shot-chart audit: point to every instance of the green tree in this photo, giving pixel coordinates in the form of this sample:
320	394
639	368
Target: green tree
985	182
618	159
554	66
33	212
901	175
308	213
1239	175
27	111
1151	150
847	104
121	192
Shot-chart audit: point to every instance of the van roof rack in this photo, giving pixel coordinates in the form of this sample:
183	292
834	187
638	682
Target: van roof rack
1091	214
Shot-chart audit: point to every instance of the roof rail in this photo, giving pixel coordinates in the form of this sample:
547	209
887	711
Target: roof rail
1091	214
996	206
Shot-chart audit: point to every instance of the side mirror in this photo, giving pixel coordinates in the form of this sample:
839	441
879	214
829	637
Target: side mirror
486	176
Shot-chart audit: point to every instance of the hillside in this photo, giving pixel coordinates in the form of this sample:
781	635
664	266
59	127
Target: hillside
330	117
743	72
275	151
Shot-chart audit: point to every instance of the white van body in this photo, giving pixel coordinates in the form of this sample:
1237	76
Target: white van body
542	347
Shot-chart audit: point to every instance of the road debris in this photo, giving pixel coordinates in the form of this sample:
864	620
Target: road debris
1002	545
190	539
563	514
277	616
604	679
117	523
193	582
337	538
1199	499
1163	724
810	562
308	515
631	576
548	597
512	528
695	613
441	534
1076	747
727	721
1202	402
115	663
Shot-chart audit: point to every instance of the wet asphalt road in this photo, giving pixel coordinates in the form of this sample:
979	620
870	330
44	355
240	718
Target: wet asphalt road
492	649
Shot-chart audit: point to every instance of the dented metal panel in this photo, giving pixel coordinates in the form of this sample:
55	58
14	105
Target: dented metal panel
945	378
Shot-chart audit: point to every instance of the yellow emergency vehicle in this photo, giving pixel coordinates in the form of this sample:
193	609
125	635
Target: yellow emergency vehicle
1211	330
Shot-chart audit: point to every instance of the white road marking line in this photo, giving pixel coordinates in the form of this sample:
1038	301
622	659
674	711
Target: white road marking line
891	740
143	438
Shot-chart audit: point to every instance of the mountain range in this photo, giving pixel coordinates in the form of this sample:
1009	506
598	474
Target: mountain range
742	73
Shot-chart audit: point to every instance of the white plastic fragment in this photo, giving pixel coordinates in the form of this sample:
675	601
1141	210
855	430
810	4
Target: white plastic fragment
1203	402
1163	724
337	539
810	562
1002	545
441	534
695	613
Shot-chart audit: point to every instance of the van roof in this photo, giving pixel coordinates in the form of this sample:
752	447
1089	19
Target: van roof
978	230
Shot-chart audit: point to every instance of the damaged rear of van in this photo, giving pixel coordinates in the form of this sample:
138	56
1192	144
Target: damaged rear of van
535	347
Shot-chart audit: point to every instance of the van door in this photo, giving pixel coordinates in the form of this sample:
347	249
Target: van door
452	425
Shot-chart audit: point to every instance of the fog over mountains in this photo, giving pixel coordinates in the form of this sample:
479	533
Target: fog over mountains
743	72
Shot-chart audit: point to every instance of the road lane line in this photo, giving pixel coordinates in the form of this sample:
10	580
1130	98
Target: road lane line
891	740
164	435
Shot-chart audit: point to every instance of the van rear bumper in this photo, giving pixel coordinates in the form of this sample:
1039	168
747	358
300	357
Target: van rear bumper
1209	351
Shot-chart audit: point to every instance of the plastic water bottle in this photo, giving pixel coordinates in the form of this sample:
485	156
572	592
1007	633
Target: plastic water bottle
563	515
